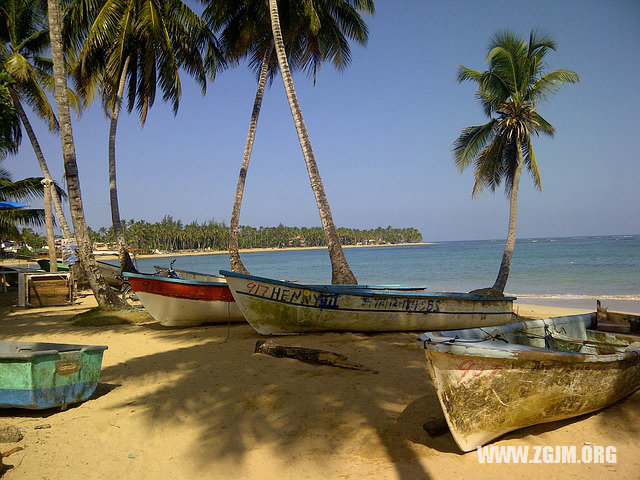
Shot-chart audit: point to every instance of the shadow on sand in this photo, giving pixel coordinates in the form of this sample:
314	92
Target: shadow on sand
293	407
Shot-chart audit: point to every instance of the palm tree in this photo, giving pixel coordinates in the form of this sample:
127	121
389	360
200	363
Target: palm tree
146	43
510	89
24	36
104	294
340	271
311	36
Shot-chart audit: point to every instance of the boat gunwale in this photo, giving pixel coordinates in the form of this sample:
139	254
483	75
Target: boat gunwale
27	353
446	342
151	276
160	269
365	290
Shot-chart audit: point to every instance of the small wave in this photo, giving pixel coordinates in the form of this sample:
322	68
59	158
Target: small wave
573	296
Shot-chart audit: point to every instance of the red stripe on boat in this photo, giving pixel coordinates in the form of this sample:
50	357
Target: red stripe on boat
210	292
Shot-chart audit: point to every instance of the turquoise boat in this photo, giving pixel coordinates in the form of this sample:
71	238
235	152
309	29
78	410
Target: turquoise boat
38	375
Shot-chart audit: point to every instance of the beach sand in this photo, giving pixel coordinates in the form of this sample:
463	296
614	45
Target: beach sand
194	404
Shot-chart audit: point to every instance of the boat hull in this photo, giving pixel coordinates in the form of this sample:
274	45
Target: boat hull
184	303
43	375
486	392
111	274
280	308
45	265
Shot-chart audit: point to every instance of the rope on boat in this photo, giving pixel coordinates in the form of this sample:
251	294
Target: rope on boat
489	336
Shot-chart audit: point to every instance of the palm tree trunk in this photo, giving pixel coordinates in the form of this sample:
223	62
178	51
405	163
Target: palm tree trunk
234	255
340	271
48	221
126	265
505	266
105	296
57	205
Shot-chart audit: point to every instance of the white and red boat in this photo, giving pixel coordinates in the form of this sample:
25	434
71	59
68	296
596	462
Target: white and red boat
177	302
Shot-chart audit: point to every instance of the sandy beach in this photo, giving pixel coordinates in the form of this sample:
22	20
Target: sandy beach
198	403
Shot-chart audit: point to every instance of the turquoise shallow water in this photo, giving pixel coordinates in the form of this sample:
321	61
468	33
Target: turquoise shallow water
560	268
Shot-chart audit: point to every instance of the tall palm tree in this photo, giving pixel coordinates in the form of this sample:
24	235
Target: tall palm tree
24	37
146	43
509	91
104	294
311	35
340	271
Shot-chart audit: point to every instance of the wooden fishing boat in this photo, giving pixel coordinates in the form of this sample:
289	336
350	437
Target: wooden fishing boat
274	307
177	302
47	375
491	381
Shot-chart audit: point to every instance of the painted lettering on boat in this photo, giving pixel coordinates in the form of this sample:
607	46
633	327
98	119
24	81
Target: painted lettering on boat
408	304
300	297
476	369
331	300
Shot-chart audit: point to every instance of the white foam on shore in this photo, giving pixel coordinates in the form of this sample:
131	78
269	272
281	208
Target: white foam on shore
572	296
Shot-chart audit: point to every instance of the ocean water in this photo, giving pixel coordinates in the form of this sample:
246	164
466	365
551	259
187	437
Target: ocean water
573	268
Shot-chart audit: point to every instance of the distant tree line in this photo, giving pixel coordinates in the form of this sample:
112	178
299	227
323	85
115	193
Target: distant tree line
172	235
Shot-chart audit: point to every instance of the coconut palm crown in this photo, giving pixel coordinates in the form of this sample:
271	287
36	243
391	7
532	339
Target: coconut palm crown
509	91
146	42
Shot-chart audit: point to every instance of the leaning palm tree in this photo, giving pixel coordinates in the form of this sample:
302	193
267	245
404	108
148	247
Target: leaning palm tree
509	91
24	37
104	294
311	36
146	43
340	271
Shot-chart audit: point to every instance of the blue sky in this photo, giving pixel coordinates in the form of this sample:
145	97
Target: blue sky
382	133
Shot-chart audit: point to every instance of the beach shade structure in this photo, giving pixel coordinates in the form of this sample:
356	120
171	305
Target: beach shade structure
5	205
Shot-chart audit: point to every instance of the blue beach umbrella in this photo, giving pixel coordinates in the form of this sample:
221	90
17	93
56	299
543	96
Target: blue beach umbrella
4	205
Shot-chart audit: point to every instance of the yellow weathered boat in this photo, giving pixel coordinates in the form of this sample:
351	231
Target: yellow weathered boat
494	380
274	307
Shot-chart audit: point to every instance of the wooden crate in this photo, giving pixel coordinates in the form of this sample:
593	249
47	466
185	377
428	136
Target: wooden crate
49	289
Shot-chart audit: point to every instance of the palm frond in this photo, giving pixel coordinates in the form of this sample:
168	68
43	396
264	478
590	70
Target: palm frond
551	83
9	218
465	73
532	165
489	168
35	43
541	125
471	141
21	190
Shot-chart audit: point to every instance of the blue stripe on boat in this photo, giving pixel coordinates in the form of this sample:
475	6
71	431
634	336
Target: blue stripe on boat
47	397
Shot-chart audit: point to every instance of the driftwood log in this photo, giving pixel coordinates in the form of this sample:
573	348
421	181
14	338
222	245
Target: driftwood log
309	355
